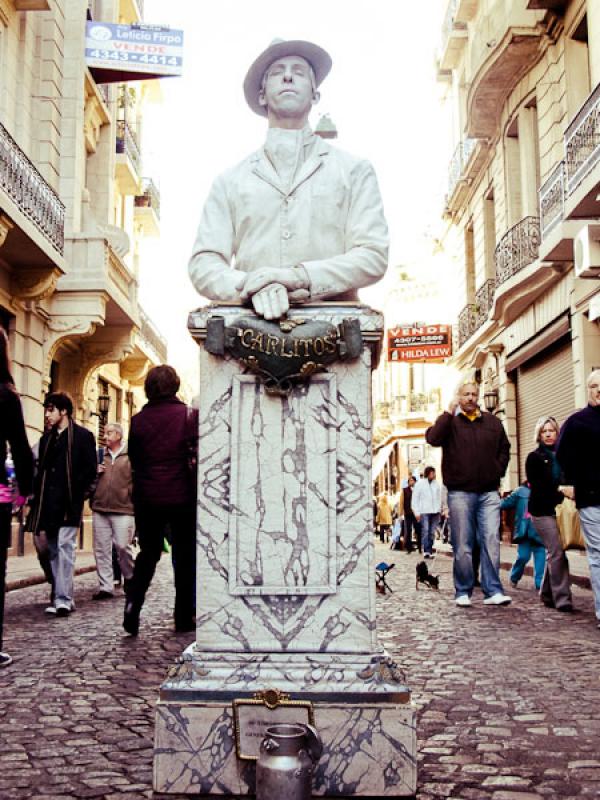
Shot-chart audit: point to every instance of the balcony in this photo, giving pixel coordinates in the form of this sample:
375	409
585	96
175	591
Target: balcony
33	197
552	196
454	37
582	141
465	164
129	159
151	335
507	42
147	208
474	315
518	248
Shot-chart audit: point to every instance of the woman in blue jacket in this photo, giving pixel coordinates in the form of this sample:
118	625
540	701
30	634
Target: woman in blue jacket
526	536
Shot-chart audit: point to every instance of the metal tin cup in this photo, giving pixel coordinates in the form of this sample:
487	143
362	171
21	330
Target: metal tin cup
288	755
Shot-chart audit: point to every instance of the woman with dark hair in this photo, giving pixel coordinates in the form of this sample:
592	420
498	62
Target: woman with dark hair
162	447
544	476
12	432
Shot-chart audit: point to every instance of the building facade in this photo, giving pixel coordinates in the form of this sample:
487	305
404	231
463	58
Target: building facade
523	186
74	206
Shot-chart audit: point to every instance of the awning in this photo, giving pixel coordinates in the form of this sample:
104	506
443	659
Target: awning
380	458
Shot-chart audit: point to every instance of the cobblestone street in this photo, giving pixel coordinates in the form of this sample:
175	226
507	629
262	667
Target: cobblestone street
507	698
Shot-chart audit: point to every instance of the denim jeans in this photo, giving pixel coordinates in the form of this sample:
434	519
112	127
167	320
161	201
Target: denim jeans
527	548
429	523
590	525
61	549
475	517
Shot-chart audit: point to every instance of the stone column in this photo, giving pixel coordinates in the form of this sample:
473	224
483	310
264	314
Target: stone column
286	596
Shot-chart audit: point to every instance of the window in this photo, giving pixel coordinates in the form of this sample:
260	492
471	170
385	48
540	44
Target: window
577	66
489	233
522	170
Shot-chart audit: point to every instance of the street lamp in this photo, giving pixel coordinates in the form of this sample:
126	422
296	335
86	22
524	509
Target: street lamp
490	400
103	406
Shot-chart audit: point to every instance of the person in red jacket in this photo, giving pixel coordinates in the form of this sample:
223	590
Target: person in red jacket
162	447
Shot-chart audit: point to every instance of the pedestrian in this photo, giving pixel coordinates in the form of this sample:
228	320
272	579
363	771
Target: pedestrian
577	453
544	476
12	433
409	520
162	448
65	476
384	516
525	535
427	506
475	455
112	506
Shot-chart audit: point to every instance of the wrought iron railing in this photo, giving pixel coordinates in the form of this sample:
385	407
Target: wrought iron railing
150	333
127	143
582	141
458	163
553	194
518	248
33	195
150	197
473	315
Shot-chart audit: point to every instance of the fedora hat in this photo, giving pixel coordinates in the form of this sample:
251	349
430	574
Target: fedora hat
319	59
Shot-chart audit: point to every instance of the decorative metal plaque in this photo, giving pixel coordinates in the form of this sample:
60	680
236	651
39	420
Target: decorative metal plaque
251	718
284	353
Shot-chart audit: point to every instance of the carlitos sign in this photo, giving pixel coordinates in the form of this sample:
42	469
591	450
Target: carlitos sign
428	343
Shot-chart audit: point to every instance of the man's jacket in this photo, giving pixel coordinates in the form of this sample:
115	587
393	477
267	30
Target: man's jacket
66	473
578	453
330	220
112	494
475	454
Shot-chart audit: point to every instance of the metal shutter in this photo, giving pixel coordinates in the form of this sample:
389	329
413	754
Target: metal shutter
544	386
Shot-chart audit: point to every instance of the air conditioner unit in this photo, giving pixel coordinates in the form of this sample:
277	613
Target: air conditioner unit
586	252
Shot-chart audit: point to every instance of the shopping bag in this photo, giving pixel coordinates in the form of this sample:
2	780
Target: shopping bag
569	527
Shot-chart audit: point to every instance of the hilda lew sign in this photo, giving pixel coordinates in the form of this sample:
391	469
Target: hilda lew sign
420	343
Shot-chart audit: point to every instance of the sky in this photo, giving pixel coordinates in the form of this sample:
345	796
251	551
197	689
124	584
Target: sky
382	95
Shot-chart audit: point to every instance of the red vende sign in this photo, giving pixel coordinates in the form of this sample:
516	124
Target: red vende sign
431	343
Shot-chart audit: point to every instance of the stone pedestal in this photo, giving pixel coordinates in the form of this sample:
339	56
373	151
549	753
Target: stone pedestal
286	591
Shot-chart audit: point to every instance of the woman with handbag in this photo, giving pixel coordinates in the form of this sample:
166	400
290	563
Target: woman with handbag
12	431
544	476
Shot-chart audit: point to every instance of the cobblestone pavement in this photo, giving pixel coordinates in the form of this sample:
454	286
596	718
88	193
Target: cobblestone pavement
507	698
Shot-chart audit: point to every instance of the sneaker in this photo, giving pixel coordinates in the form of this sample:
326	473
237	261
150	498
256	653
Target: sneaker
5	659
427	555
102	595
497	599
63	611
50	610
463	600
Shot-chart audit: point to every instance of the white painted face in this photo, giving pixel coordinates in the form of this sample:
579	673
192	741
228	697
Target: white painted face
467	398
288	88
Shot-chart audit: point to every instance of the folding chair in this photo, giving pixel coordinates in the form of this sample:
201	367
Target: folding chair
381	571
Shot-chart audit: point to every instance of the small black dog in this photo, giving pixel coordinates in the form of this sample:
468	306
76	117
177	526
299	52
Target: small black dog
423	576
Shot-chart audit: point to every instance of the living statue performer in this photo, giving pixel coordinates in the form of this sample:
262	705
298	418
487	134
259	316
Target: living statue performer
299	220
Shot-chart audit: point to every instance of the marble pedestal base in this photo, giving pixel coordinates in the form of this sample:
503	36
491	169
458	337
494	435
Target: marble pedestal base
286	566
366	722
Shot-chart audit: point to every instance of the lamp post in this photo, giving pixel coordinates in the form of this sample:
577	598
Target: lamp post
490	401
103	406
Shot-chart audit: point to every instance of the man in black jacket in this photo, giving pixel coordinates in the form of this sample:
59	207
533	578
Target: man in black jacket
578	453
66	472
475	455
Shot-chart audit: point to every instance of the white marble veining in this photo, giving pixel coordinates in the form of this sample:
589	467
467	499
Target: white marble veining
286	590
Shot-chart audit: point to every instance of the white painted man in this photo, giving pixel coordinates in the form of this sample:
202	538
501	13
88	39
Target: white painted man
298	220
